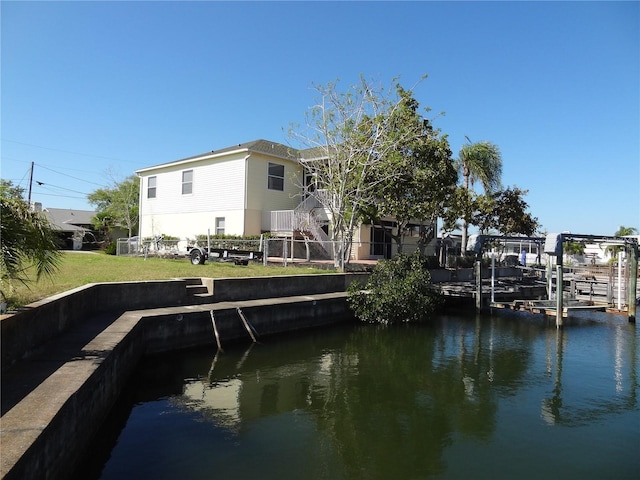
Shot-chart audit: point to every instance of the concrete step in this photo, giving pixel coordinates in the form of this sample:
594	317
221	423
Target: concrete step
202	298
192	280
197	289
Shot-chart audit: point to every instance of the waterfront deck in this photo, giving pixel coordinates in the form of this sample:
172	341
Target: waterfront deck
548	307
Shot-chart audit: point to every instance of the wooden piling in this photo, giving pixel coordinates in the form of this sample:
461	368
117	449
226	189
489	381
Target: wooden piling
559	287
632	254
559	295
479	298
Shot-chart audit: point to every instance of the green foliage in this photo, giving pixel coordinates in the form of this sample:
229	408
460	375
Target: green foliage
464	261
203	237
481	161
27	240
417	175
117	206
625	231
431	262
398	290
614	249
237	242
364	145
574	248
9	190
111	248
504	211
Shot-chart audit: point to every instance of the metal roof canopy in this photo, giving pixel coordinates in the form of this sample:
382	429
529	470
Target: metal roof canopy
552	242
553	246
476	242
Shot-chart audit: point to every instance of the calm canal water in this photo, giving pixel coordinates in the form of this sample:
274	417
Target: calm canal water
496	396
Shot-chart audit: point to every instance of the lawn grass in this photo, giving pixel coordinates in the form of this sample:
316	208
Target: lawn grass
80	268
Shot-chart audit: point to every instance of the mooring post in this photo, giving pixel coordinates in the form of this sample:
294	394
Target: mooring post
285	254
493	275
265	252
549	278
632	255
559	295
479	283
619	296
559	289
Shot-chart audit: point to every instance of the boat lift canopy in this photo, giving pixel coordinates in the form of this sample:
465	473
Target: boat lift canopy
553	246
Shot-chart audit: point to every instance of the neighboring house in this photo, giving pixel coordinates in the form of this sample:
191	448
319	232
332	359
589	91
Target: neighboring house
74	227
247	189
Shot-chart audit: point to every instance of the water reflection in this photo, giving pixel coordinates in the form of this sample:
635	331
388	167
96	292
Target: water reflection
389	402
611	377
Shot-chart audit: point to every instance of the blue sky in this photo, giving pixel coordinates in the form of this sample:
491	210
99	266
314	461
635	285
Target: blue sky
92	91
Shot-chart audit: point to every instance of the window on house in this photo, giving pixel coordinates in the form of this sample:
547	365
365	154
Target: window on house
276	177
187	182
151	187
219	225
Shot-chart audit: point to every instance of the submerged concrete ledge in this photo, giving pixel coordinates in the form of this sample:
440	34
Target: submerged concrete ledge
55	399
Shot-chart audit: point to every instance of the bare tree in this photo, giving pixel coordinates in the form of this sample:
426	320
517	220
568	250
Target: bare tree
348	136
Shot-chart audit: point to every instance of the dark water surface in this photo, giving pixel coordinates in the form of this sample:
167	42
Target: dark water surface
495	396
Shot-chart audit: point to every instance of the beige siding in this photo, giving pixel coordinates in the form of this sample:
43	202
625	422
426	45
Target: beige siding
259	197
253	222
362	240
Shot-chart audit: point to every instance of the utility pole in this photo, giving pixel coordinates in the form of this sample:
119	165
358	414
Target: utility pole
30	185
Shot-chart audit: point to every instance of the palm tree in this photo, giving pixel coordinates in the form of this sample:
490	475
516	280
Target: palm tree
621	232
26	239
625	231
480	162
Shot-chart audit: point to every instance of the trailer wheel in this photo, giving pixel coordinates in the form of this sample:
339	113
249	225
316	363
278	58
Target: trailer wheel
197	258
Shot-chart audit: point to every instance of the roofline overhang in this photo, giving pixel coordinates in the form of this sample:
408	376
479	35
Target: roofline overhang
197	158
213	155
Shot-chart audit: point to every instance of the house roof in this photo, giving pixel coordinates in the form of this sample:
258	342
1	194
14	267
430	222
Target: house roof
69	220
267	147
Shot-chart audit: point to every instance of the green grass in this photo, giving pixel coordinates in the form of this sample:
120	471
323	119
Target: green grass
80	268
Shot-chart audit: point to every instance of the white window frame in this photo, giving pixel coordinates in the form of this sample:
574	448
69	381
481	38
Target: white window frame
220	225
152	187
275	181
187	185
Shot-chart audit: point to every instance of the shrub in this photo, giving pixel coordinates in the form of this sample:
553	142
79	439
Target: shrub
110	249
398	290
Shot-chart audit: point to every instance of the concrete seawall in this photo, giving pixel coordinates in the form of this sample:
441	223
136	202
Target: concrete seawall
60	381
66	359
22	333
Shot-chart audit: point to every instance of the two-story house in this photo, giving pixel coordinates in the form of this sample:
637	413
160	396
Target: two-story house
246	189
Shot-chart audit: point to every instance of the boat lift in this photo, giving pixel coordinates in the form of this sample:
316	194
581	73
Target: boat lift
553	246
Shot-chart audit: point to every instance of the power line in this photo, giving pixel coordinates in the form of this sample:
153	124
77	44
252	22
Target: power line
63	196
40	184
70	176
65	151
4	157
